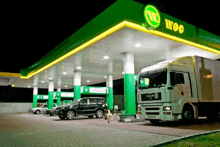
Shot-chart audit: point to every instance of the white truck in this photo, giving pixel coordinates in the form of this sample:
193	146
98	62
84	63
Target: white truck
185	88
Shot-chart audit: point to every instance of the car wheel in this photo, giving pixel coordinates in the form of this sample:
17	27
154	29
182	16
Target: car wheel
51	113
37	112
99	113
61	116
90	116
70	115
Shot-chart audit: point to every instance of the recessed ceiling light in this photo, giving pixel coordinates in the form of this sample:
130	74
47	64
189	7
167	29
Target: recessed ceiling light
137	45
64	73
34	84
50	78
123	72
66	86
78	67
106	57
105	76
29	86
42	81
88	81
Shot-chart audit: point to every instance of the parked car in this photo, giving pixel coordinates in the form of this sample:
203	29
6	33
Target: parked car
55	110
88	106
41	109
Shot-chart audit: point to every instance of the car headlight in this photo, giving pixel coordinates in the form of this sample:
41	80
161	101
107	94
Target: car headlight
167	108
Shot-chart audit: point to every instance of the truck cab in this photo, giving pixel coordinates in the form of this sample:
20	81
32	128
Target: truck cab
166	89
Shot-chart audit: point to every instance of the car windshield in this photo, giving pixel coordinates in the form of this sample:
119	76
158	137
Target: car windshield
75	101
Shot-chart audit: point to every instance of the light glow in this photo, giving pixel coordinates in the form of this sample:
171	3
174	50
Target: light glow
88	81
78	67
137	45
64	73
106	57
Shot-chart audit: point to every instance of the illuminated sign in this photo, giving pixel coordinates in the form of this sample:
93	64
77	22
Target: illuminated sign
152	16
174	26
93	90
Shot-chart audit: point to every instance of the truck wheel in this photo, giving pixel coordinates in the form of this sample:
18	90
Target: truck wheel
155	122
37	112
70	115
99	114
187	114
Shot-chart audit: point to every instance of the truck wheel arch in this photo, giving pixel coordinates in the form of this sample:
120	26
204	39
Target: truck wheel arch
194	108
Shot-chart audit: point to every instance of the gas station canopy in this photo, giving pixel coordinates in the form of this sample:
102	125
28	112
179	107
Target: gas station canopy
97	48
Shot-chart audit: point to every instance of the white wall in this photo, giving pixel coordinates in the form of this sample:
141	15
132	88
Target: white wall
15	107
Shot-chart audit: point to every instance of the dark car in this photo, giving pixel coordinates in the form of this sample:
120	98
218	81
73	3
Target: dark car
88	106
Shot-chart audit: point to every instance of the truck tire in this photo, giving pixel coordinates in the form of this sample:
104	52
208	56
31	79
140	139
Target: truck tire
188	114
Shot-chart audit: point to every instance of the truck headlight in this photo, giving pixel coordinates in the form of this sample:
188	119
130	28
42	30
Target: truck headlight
167	108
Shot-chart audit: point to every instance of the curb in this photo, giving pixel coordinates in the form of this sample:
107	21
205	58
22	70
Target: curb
185	137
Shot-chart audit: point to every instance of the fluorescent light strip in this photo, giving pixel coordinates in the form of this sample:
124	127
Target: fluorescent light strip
114	29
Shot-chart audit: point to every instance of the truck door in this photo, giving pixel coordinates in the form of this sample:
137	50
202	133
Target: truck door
181	86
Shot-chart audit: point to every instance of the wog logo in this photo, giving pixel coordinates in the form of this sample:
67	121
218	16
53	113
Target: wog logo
152	16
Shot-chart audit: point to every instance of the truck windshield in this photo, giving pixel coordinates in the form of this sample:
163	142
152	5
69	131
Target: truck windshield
154	79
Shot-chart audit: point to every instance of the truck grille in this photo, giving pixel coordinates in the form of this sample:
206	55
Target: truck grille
152	113
152	108
151	96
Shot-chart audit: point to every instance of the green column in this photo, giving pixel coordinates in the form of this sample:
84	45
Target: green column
58	101
77	85
77	92
129	84
34	101
109	96
129	94
35	92
50	94
110	99
58	96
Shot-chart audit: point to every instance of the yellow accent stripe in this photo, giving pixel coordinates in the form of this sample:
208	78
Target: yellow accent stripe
9	74
114	29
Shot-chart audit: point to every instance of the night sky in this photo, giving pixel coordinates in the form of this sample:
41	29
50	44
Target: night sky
29	30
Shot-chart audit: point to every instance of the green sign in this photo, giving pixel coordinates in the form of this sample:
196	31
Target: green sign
152	16
93	90
44	97
144	82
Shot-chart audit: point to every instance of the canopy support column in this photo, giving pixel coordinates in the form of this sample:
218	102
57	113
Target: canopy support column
109	96
129	84
59	96
77	85
35	93
50	94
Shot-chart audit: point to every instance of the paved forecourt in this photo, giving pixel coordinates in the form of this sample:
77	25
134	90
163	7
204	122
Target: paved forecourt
39	130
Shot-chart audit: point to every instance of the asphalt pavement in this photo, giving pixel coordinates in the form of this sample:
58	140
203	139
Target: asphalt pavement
23	130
